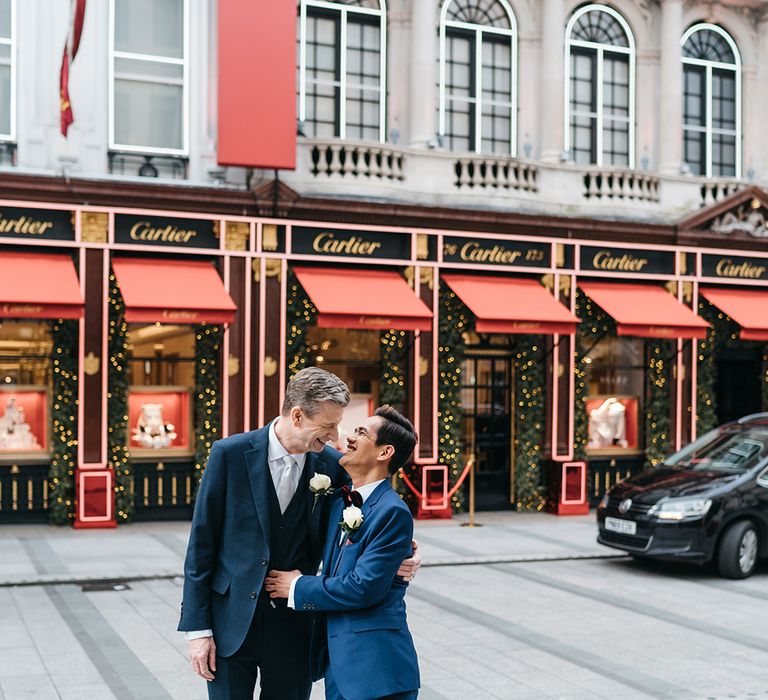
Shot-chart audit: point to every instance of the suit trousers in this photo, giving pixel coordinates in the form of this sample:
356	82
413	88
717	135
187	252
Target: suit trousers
332	690
277	647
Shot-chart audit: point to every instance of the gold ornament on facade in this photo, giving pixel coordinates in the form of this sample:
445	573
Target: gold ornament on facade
269	237
427	277
272	268
94	226
270	366
238	235
233	366
91	364
422	246
409	275
423	366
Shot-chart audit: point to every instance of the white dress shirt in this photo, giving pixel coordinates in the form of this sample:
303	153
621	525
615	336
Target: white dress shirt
276	455
365	490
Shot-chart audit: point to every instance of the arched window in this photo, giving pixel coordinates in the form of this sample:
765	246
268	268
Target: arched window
342	69
478	76
599	91
711	102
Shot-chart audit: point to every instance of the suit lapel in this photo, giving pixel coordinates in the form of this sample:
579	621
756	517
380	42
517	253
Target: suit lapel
332	549
313	511
259	476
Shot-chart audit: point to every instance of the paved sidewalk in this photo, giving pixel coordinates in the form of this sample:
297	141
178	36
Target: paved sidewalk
44	554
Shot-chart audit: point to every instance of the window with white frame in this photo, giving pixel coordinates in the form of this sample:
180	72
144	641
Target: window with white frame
7	70
149	76
711	102
342	69
600	88
478	76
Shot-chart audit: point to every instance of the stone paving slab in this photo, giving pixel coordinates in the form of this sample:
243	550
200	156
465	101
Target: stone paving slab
41	554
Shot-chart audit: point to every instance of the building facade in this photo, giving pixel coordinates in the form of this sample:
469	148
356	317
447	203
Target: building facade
535	226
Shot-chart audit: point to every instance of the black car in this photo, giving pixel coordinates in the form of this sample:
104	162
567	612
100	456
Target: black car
707	502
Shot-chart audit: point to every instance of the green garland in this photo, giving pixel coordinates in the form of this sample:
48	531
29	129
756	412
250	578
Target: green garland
301	314
454	320
394	347
657	425
64	335
207	407
117	404
595	323
529	406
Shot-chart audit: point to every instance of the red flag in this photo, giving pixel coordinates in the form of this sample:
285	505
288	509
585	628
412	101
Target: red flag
70	51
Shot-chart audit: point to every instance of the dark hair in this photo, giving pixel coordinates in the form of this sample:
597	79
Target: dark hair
396	430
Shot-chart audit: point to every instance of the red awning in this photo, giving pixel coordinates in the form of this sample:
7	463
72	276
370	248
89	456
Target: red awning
355	298
645	310
748	307
172	291
511	305
39	285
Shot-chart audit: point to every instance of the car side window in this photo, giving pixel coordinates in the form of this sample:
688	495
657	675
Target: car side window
762	478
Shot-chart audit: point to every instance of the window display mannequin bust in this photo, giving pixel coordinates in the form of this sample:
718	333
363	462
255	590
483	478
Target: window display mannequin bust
608	425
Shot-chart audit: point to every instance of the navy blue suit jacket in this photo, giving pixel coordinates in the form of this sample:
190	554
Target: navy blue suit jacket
228	552
370	648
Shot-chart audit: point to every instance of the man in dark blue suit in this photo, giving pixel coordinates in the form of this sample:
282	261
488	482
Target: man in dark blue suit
367	651
255	511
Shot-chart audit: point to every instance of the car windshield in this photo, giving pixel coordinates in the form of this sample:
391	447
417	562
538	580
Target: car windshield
724	449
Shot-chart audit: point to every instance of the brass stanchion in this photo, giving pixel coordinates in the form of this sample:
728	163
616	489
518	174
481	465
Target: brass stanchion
471	522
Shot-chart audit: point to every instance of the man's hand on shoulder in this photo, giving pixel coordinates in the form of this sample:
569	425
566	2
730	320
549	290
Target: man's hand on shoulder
202	656
409	567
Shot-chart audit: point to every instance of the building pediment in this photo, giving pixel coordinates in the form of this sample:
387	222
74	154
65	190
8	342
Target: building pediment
742	215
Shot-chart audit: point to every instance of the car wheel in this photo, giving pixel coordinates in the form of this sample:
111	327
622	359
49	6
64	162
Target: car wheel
738	549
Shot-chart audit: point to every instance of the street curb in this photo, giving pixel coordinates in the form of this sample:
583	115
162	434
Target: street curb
58	580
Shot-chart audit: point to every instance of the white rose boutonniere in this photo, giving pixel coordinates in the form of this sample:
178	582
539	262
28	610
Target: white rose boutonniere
351	520
320	485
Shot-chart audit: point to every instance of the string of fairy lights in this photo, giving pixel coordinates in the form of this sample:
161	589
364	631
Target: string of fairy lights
117	404
529	422
393	358
208	340
61	509
301	314
657	423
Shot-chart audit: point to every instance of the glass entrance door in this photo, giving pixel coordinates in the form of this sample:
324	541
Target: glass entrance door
487	428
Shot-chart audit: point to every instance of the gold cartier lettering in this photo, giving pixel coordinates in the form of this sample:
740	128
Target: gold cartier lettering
375	321
727	268
328	243
180	315
474	252
144	231
24	225
604	260
21	309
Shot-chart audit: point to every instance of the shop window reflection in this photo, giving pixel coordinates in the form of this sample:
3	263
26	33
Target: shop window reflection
25	381
161	377
615	379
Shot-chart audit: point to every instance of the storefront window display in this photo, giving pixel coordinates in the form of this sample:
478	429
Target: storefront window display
615	372
161	378
25	361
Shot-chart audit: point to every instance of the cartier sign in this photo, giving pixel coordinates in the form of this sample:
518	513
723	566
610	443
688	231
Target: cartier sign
734	267
491	251
164	231
627	261
36	224
350	243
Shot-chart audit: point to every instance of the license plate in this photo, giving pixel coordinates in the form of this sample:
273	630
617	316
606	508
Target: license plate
626	527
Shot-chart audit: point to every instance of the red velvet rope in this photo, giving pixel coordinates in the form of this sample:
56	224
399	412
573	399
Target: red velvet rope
455	488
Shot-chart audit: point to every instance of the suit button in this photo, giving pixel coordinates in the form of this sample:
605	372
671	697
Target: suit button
253	594
263	562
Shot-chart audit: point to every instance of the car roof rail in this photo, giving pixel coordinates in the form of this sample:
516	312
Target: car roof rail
753	418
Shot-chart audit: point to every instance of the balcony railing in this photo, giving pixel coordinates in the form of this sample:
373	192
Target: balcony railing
357	160
496	173
621	185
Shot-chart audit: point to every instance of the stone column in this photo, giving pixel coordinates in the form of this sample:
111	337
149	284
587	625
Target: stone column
551	81
422	122
670	127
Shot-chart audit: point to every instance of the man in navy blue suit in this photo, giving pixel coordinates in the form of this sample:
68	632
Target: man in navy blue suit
255	511
367	651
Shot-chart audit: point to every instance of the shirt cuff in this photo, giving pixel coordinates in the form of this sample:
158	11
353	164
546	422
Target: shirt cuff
198	634
291	590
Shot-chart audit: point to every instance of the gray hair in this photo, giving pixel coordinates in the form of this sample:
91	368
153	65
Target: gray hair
310	387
